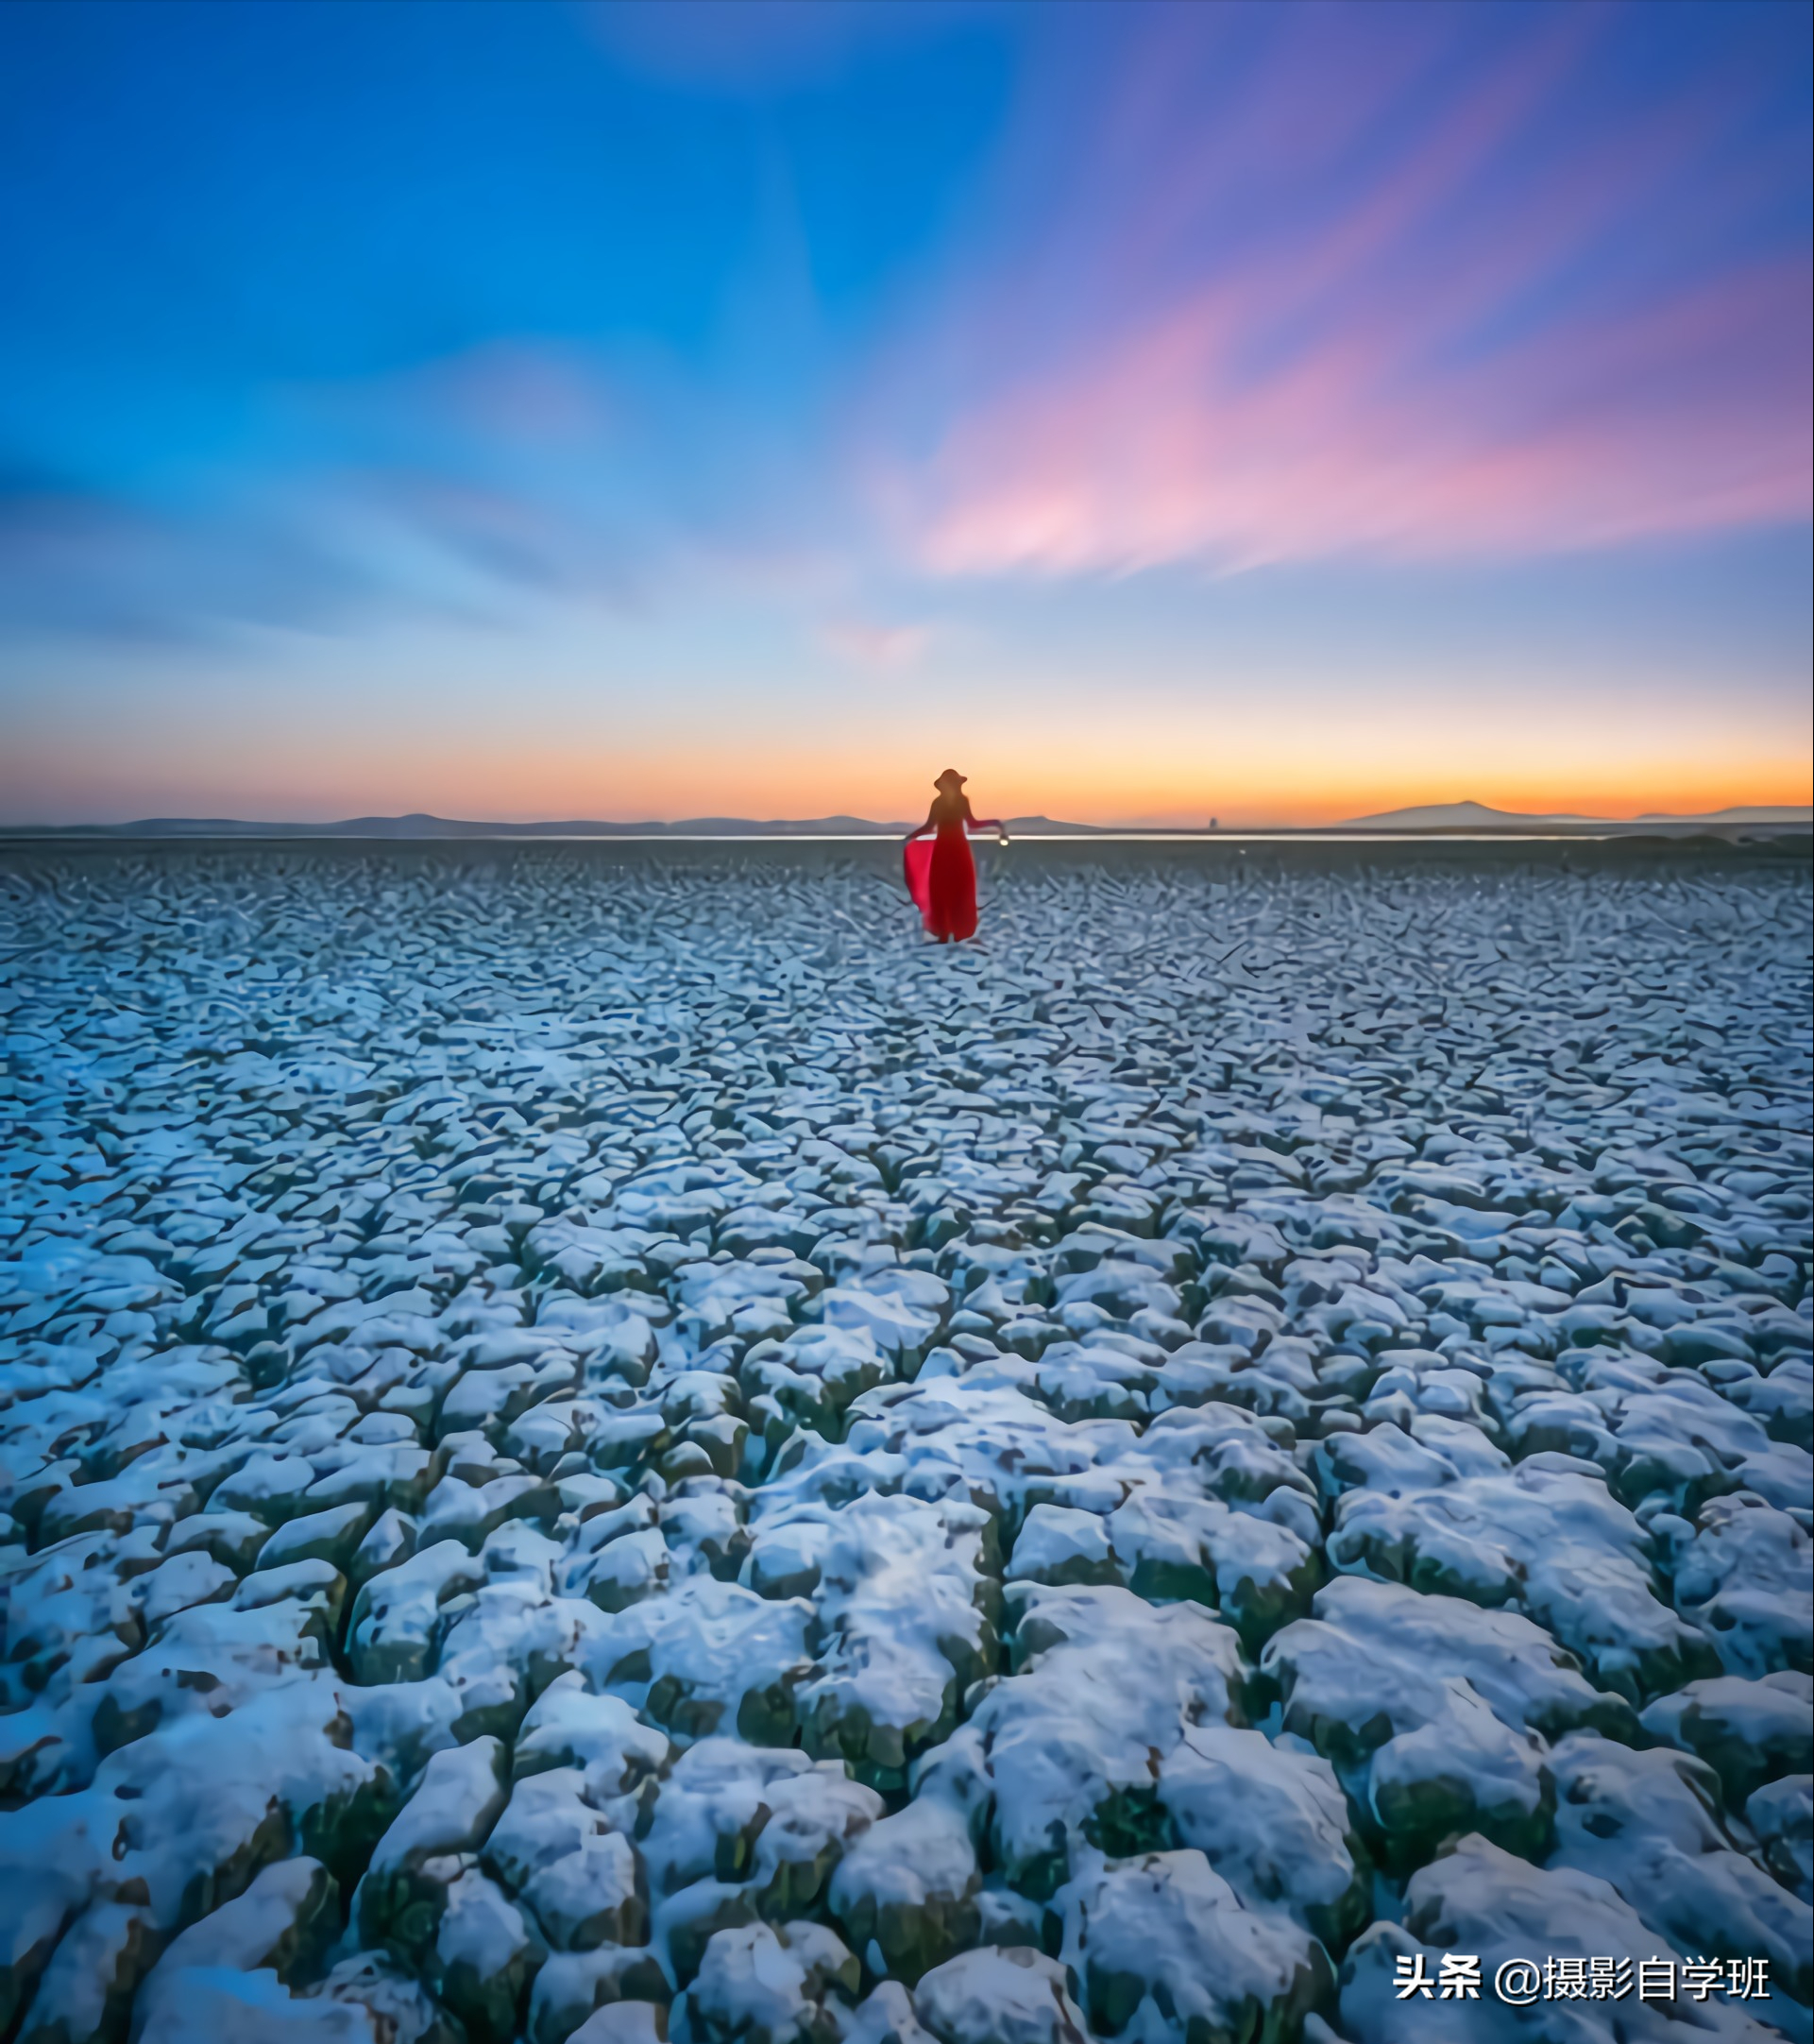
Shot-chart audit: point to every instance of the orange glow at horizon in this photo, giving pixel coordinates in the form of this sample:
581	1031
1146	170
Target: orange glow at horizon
648	730
1248	784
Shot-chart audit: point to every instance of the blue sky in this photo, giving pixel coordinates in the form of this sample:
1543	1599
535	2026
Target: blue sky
542	410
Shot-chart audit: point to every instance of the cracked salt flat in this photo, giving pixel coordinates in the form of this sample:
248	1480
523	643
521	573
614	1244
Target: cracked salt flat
613	1448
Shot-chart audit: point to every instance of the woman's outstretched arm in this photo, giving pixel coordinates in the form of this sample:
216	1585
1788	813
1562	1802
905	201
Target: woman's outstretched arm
919	831
984	822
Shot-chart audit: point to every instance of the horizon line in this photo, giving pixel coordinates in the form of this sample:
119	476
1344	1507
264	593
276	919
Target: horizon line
1446	817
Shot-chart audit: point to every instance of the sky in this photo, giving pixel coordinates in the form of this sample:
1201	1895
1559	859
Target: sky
573	409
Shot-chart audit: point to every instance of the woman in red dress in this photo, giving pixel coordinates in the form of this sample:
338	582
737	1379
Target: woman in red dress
942	876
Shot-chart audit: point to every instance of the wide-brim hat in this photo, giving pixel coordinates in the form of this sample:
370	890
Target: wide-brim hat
950	776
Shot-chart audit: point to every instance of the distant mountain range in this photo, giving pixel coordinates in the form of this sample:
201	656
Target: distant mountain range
420	826
1476	816
1437	816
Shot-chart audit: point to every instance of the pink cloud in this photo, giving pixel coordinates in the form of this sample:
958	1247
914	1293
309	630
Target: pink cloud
1474	336
1586	440
876	645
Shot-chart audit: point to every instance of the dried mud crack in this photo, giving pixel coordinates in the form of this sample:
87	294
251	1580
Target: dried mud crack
618	1449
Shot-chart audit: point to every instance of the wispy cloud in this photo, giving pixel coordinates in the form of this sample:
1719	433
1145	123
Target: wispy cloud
1468	335
889	646
733	47
1692	418
472	487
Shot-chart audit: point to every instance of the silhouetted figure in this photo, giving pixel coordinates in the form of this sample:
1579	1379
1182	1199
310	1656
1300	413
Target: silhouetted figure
942	876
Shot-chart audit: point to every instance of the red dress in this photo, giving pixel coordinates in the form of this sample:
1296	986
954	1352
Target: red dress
941	878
